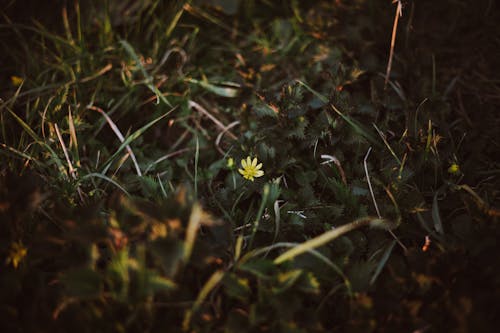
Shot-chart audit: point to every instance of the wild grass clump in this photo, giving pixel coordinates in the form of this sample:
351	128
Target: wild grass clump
250	166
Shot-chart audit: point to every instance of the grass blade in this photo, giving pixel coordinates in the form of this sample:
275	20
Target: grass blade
265	250
192	230
224	91
119	134
436	217
265	195
212	282
356	126
106	178
382	262
196	158
133	137
328	237
149	79
39	141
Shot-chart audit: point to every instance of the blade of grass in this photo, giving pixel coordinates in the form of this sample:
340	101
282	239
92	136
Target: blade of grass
387	144
265	250
356	126
106	178
225	91
265	195
212	282
39	29
192	230
382	262
119	134
321	97
329	236
166	157
131	138
277	219
39	141
238	247
73	143
72	171
20	153
436	217
163	191
196	158
149	79
399	12
174	22
365	164
67	29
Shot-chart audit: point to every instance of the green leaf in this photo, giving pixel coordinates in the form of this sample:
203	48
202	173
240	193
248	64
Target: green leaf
436	217
229	89
382	262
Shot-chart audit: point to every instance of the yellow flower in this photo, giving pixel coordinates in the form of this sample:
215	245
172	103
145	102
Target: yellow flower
454	169
251	169
16	254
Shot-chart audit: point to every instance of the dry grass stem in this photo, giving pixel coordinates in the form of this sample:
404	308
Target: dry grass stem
399	12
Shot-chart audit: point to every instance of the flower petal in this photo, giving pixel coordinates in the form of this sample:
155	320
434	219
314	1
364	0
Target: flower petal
242	172
259	173
259	166
243	163
254	162
249	161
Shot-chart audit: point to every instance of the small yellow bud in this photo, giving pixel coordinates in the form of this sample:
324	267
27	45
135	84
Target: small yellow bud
230	163
16	80
454	169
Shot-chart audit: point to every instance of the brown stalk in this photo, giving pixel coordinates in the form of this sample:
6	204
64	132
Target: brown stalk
399	12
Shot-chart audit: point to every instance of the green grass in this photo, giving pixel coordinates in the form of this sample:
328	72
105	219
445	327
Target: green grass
123	125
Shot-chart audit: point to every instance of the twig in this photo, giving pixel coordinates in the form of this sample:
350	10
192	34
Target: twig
399	12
